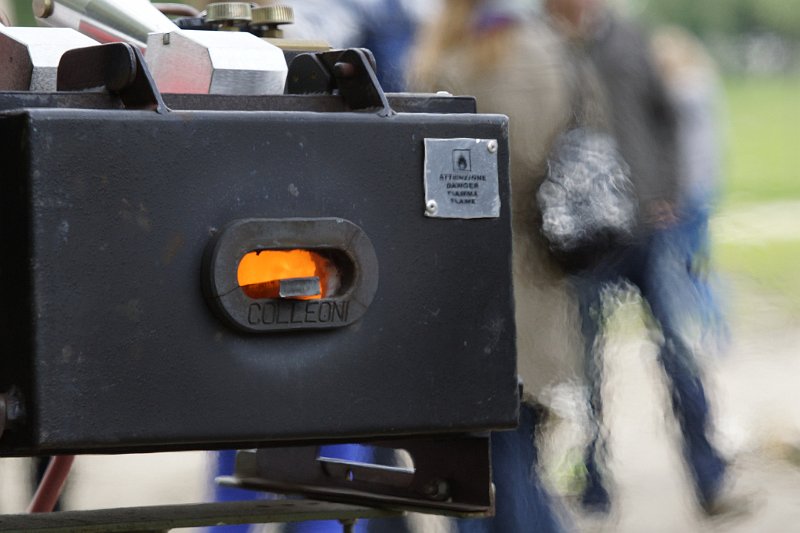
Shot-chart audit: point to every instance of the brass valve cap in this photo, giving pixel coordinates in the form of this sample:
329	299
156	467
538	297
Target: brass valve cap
229	12
273	14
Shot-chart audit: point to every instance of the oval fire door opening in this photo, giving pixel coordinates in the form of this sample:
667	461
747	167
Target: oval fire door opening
290	274
262	275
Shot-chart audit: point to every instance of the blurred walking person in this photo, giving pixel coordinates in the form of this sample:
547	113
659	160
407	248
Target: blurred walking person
504	54
645	126
694	89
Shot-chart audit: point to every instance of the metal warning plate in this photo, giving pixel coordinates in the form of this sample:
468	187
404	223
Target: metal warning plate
461	178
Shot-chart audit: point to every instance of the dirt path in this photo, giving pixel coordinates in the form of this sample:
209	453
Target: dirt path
757	223
757	404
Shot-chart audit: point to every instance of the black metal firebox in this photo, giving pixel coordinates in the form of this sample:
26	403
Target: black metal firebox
122	327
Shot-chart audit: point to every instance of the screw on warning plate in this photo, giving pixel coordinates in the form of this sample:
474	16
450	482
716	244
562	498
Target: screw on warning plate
431	207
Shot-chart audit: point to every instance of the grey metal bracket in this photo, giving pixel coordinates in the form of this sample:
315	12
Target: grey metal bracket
118	67
449	476
349	73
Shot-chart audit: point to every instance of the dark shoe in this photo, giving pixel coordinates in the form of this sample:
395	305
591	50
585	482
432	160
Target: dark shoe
595	498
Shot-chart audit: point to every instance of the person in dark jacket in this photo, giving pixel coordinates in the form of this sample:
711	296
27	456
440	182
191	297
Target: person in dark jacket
644	123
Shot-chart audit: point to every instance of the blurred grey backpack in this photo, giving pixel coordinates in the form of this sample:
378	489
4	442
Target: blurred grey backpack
587	201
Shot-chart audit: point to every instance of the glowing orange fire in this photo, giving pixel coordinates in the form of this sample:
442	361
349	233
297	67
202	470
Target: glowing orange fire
260	272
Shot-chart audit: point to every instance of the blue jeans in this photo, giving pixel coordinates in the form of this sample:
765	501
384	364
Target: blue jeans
692	234
521	502
657	266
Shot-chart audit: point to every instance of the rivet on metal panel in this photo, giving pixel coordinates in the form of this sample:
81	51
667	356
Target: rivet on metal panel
431	207
492	146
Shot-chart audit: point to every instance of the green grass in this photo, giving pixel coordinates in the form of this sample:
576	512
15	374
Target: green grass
763	165
763	140
771	268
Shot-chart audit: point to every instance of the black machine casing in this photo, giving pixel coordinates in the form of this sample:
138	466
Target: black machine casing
109	342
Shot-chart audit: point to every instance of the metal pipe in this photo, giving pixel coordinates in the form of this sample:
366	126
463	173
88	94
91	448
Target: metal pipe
177	10
181	61
106	21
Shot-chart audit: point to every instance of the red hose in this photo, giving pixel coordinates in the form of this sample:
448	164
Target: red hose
46	497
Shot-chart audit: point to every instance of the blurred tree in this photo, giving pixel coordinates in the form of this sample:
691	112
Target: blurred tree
725	16
780	16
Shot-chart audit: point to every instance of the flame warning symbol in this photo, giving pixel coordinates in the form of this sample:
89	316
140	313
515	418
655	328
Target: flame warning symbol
462	161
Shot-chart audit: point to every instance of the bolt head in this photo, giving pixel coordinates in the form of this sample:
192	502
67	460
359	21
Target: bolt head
344	70
437	489
492	147
43	8
431	207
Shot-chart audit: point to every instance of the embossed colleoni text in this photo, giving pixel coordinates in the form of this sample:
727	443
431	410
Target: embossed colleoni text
284	312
